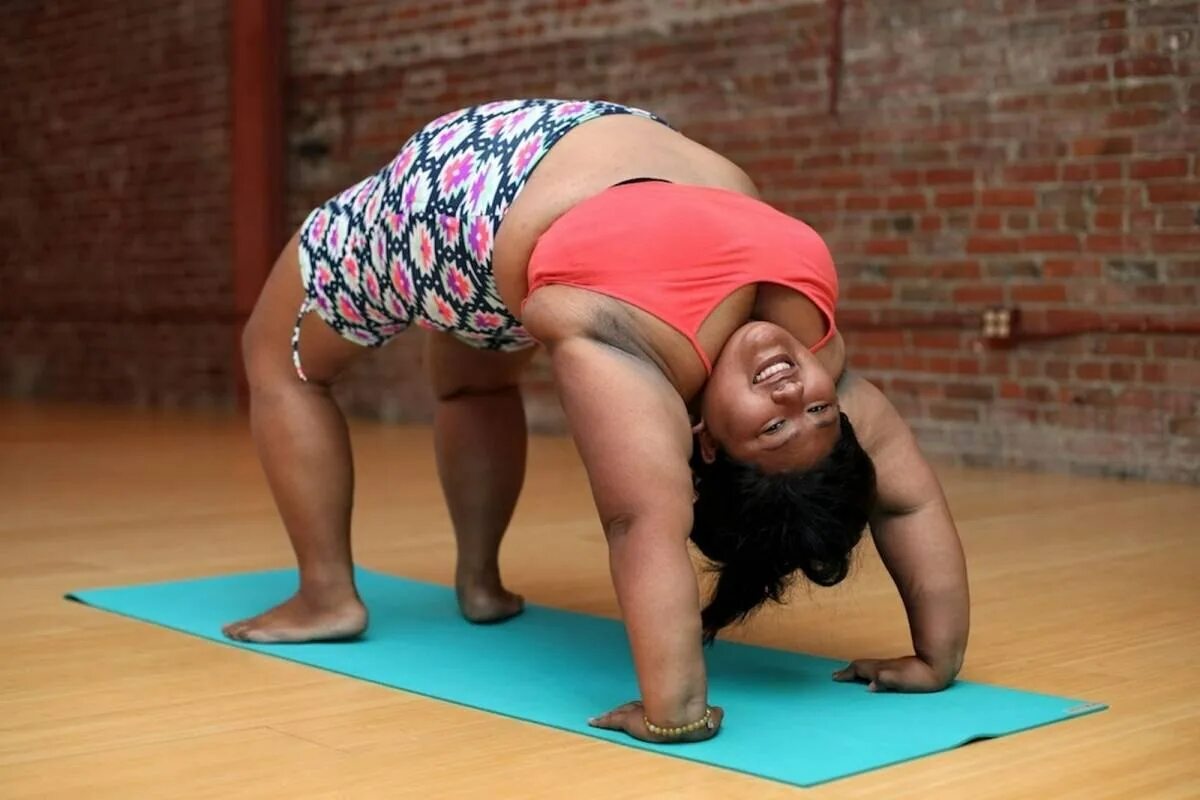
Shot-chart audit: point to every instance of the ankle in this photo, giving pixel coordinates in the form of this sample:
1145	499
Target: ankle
471	576
326	591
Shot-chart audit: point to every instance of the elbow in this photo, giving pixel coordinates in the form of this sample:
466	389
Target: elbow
635	533
949	672
618	526
952	666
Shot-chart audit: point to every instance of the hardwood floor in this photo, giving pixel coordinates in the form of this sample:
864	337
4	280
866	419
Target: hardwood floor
1081	587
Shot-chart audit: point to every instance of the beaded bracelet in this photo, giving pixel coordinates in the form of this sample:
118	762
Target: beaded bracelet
672	733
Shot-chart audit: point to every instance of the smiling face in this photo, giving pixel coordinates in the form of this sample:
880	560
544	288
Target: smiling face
769	402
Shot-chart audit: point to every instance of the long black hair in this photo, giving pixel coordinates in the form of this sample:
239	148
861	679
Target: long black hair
759	530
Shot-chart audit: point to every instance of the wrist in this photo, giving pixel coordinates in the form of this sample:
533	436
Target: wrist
680	712
945	666
704	722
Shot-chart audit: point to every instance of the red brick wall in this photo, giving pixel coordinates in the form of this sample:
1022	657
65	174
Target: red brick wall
114	191
1036	153
1039	154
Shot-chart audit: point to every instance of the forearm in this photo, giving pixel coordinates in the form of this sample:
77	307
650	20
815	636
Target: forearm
660	603
915	535
922	552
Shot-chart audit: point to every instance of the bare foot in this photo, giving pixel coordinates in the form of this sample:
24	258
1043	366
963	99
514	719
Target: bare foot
484	602
300	620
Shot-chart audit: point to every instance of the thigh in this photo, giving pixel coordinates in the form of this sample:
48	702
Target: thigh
456	368
267	340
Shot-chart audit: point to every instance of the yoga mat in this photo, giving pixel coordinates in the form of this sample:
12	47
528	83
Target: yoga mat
787	721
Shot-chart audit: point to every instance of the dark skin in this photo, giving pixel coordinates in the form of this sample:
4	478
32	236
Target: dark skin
626	380
479	422
769	401
633	432
787	420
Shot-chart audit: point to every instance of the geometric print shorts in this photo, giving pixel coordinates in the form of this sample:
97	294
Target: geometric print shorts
412	244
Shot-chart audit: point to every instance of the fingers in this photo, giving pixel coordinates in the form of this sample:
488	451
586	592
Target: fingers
864	669
880	676
886	680
908	674
718	716
616	719
607	721
611	721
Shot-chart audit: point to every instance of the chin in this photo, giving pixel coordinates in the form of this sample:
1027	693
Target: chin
760	334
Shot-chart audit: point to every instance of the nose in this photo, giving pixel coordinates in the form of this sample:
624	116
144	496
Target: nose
787	391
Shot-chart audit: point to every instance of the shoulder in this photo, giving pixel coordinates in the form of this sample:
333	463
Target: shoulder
555	314
904	478
630	426
833	356
880	429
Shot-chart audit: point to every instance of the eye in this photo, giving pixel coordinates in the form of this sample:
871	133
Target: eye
774	427
817	409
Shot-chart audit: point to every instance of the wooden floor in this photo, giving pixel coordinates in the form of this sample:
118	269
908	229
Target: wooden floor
1083	588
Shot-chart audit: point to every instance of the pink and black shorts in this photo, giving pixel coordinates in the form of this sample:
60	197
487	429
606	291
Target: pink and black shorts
412	244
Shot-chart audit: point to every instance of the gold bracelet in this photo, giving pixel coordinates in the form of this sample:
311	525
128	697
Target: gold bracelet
679	730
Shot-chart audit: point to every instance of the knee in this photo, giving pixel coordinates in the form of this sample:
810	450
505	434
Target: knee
267	359
251	341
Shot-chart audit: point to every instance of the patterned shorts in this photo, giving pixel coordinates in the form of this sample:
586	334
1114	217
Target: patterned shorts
412	244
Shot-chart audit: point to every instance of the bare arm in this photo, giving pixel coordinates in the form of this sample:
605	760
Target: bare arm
919	544
632	431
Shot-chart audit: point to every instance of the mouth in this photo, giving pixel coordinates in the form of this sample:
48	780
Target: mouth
773	369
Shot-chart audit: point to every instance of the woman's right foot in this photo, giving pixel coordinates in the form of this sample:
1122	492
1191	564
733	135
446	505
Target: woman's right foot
485	601
301	620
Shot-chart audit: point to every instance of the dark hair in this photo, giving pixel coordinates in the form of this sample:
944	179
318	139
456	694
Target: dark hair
758	530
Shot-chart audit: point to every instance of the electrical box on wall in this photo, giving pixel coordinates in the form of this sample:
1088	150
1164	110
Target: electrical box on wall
998	326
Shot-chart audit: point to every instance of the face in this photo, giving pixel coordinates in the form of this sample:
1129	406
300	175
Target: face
769	402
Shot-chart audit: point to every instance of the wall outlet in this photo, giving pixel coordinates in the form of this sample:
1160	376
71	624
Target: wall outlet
998	325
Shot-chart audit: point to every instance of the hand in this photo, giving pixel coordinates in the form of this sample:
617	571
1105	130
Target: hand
631	718
908	674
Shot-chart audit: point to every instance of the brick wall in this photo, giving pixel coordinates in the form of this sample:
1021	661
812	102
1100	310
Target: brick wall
114	192
1039	154
1035	153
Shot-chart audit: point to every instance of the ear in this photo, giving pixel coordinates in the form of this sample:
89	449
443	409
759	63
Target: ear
708	445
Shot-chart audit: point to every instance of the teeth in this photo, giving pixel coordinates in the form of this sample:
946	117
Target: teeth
774	369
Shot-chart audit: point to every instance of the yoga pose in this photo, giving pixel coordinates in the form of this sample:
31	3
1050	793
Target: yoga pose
636	257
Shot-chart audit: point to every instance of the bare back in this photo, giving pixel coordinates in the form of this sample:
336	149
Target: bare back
588	160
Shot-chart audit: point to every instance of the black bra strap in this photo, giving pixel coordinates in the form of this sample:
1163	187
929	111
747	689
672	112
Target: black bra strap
642	180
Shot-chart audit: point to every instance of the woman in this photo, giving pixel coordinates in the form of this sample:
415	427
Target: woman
635	256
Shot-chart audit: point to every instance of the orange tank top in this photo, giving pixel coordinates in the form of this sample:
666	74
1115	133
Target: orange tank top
676	251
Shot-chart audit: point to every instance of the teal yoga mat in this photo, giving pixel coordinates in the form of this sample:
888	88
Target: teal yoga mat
787	721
